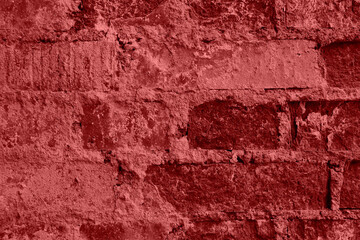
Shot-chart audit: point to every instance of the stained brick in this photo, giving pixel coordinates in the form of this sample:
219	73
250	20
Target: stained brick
229	230
321	15
113	9
110	126
47	190
60	66
227	124
33	120
36	229
35	19
322	229
325	125
342	64
96	126
119	231
350	197
274	64
106	231
248	12
124	124
152	128
84	66
197	188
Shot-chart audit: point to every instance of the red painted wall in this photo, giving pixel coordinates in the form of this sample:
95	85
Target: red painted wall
179	119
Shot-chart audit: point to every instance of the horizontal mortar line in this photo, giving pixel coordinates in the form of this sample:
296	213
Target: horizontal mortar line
104	36
57	163
289	88
305	214
258	91
48	41
283	151
274	218
229	163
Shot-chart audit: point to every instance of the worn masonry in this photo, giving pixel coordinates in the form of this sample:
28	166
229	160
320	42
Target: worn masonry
179	119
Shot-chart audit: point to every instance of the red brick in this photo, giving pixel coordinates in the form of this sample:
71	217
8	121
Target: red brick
273	64
48	191
229	230
320	15
84	66
152	125
323	229
33	230
226	187
119	231
17	67
75	66
342	64
249	13
124	124
36	18
34	120
113	9
95	125
325	125
350	196
227	124
106	231
114	121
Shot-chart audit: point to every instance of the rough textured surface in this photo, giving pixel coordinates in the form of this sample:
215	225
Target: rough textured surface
275	64
237	187
349	193
325	125
179	119
342	62
230	125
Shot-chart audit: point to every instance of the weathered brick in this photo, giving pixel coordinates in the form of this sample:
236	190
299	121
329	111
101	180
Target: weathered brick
114	121
34	120
113	231
108	126
342	64
119	231
3	66
95	125
350	197
227	187
113	9
325	125
274	64
71	189
152	125
84	66
37	230
322	229
321	15
227	124
60	66
253	14
18	67
36	18
230	230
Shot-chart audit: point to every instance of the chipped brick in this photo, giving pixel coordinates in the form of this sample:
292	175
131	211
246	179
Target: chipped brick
325	125
228	124
342	64
226	187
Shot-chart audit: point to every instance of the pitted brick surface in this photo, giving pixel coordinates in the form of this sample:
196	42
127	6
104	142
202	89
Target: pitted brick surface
179	119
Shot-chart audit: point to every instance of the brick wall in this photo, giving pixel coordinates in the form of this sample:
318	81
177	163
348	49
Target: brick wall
179	119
